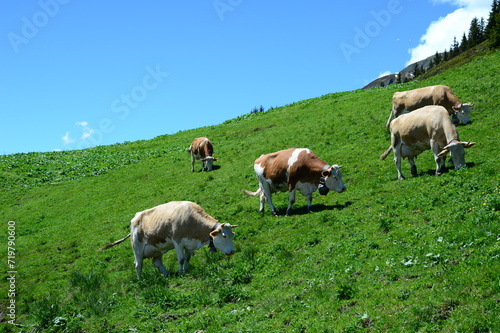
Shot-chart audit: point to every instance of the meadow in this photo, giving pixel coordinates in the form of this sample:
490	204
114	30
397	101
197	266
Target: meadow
419	255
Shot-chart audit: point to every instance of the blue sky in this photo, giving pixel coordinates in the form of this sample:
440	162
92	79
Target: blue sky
76	74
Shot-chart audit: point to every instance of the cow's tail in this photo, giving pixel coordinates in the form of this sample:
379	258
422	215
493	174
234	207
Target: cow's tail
114	243
252	194
389	120
384	155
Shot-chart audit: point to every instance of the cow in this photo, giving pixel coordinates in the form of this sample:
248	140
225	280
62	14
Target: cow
291	170
202	149
180	225
407	101
426	128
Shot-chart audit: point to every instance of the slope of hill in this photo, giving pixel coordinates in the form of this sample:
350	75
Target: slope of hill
407	72
416	255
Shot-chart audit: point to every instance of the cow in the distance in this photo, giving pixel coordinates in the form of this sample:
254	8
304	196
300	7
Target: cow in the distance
202	149
180	225
291	170
407	101
426	128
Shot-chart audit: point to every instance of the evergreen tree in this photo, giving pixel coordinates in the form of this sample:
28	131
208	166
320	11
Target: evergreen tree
416	70
482	26
437	58
492	20
493	30
476	35
464	45
445	56
455	48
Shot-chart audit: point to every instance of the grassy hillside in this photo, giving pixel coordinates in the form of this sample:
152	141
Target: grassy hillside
416	255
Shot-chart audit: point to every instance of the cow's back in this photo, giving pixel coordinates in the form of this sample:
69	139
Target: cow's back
174	220
198	144
275	165
422	124
420	97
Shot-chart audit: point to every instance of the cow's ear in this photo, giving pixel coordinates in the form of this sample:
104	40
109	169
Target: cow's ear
234	226
214	233
444	152
468	144
215	158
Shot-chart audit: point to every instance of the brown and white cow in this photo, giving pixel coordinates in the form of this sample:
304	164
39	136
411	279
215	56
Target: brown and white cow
407	101
426	128
291	170
202	149
180	225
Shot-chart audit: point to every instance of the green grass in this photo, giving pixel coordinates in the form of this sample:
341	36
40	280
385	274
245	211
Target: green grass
418	255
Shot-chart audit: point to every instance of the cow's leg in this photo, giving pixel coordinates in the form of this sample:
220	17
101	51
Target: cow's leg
179	249
138	249
440	165
262	202
138	264
309	202
159	264
192	162
440	161
397	158
267	194
291	201
414	172
187	257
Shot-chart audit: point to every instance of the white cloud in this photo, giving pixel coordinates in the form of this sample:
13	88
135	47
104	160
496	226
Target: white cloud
82	123
384	74
67	139
440	33
87	131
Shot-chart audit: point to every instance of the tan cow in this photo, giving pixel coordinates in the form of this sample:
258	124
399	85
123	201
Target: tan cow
180	225
294	169
426	128
202	149
407	101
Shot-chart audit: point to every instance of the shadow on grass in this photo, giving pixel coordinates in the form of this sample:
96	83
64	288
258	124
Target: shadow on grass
432	172
302	210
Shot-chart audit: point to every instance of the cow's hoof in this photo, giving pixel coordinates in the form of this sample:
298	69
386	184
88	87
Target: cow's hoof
401	178
275	213
414	171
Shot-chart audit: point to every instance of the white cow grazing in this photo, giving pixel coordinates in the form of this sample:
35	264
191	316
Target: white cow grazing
291	170
180	225
426	128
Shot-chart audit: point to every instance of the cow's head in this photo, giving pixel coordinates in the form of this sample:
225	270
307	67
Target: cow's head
209	160
457	152
333	179
462	111
222	238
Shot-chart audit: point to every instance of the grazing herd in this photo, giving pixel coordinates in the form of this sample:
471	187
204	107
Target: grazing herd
422	122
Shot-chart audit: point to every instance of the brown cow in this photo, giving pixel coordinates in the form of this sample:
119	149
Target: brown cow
294	169
182	225
426	128
202	149
407	101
